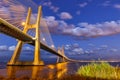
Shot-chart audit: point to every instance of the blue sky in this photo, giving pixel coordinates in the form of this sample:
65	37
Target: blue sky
85	23
91	11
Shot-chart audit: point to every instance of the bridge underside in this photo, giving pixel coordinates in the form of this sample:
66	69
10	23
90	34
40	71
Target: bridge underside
14	32
24	38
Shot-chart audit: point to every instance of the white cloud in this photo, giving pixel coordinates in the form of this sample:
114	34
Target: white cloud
65	15
50	5
83	4
83	29
54	8
78	50
27	48
47	3
114	50
51	21
75	45
56	26
3	47
87	52
74	49
11	48
98	49
104	46
117	6
67	47
95	30
91	51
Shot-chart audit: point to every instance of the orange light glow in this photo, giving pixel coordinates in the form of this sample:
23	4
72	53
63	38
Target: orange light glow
23	23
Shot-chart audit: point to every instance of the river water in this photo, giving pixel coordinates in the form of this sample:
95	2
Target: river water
47	72
50	71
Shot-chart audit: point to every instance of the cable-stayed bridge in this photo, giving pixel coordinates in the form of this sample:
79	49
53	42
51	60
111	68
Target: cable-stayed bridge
40	38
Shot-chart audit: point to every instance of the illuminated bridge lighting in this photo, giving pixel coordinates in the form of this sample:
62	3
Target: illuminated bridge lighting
43	39
52	46
23	23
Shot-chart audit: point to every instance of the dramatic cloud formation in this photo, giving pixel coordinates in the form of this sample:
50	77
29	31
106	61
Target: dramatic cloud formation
56	26
83	29
51	21
65	15
98	29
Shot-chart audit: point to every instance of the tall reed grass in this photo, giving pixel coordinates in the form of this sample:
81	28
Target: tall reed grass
99	70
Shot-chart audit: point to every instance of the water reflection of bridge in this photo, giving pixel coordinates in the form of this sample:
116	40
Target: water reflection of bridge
50	72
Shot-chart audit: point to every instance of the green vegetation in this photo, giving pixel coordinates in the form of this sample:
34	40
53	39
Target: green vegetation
99	70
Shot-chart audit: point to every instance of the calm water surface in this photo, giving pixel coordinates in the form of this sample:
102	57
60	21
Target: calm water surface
50	71
47	72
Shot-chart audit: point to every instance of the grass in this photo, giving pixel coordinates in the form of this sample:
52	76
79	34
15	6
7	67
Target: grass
99	70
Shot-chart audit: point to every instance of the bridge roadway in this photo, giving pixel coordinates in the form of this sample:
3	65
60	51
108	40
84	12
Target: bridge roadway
14	32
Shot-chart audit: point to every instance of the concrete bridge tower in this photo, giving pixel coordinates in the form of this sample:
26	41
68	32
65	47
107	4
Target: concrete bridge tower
37	61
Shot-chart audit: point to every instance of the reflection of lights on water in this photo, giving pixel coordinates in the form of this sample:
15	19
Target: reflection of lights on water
61	69
23	23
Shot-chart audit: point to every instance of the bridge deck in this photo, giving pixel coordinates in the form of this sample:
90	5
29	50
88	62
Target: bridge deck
14	32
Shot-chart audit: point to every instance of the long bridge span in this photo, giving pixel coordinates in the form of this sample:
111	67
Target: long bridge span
14	32
23	37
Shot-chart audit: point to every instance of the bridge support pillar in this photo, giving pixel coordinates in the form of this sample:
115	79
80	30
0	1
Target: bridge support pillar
27	26
61	51
16	53
37	60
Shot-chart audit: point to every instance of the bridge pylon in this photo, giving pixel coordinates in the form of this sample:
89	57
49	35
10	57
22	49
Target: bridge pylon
61	51
37	61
